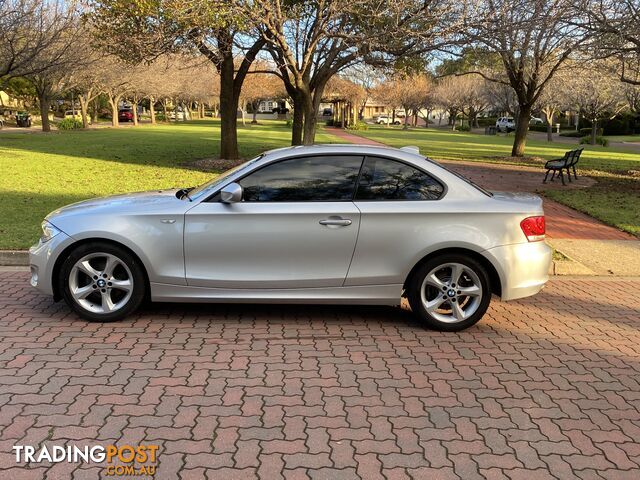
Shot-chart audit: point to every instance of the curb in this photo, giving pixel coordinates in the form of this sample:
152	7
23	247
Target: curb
14	258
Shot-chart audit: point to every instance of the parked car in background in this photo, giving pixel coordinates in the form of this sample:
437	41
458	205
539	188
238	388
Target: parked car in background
75	114
505	124
536	121
23	119
125	115
331	224
386	120
327	112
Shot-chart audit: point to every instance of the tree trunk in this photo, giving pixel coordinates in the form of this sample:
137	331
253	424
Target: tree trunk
134	108
549	131
45	103
254	108
84	107
297	120
228	113
113	101
152	110
406	119
522	127
594	131
164	110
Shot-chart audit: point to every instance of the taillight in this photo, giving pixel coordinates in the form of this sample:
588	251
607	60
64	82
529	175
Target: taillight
533	228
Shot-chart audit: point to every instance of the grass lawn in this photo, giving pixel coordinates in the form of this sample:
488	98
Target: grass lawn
614	200
449	145
41	172
624	138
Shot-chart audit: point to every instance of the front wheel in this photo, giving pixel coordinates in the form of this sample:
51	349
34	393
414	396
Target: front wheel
450	292
102	282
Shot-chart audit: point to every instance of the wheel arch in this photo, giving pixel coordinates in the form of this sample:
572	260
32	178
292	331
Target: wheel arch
494	277
57	294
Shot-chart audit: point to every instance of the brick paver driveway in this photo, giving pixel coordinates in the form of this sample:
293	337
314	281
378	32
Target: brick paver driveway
548	387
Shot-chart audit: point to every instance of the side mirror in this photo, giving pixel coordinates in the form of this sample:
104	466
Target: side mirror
232	193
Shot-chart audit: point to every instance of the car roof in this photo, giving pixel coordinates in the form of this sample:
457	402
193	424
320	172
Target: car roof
343	148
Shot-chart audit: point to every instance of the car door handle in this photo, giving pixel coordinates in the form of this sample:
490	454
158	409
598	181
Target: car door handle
336	221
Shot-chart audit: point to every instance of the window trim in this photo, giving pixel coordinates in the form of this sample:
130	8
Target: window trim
215	196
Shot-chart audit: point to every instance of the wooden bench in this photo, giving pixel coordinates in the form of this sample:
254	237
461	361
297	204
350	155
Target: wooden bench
567	162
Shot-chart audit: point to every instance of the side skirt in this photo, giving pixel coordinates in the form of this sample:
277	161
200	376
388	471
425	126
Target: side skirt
361	295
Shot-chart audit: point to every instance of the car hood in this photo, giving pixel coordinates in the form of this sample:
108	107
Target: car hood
126	203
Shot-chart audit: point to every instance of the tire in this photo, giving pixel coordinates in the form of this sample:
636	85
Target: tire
102	282
443	306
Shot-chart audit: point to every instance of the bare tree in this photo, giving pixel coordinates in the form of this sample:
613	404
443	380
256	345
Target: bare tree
533	38
54	68
555	97
450	98
598	95
616	24
137	30
32	31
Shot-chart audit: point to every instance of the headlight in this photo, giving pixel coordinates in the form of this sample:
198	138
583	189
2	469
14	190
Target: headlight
48	232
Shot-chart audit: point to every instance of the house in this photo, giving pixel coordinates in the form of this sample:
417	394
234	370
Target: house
281	105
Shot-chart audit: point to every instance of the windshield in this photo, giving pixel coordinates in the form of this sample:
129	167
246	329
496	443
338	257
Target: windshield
220	179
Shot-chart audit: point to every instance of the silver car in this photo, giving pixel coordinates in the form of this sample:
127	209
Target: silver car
337	224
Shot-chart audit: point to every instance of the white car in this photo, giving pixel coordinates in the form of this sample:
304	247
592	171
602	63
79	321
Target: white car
505	124
75	114
348	224
386	120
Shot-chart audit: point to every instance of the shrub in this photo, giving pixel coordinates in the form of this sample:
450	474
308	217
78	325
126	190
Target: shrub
289	123
329	123
70	124
599	141
358	126
587	131
541	127
463	128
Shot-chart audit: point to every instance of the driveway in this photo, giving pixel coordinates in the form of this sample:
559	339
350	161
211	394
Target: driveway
547	387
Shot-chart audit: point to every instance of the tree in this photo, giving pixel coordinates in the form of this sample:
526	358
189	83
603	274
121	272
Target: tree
616	25
553	98
449	97
32	31
258	87
115	83
473	97
598	95
140	30
311	41
533	38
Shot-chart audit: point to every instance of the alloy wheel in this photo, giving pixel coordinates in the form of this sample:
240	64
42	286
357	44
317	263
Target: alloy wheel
101	283
451	292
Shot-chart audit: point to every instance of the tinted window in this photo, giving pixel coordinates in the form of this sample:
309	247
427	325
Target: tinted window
384	179
318	179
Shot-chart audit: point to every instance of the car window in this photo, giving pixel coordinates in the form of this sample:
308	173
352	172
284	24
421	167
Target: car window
385	179
304	179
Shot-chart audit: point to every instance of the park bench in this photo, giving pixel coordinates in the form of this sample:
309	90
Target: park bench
568	162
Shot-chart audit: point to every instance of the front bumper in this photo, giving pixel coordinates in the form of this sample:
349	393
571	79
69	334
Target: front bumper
523	268
42	258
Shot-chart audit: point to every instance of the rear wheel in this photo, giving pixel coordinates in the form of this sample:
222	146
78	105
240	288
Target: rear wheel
102	282
450	292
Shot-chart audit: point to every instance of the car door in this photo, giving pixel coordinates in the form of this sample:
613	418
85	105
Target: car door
398	209
295	227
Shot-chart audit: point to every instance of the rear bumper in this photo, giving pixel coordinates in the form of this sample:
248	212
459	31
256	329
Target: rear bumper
523	268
